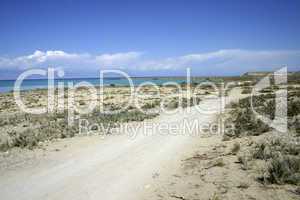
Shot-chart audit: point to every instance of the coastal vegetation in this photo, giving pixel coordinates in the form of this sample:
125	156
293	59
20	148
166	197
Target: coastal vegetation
25	130
276	153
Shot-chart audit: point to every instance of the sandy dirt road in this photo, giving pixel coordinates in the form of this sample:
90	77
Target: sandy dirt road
117	167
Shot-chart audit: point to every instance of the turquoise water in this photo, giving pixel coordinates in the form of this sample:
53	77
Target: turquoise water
8	85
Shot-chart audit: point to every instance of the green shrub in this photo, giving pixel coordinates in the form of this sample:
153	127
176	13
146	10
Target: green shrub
282	155
271	147
293	108
246	124
236	148
244	161
297	127
172	104
27	138
51	126
259	151
284	169
152	104
246	90
82	102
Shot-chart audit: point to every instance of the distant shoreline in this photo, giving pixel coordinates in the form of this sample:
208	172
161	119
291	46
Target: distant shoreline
38	83
246	74
133	77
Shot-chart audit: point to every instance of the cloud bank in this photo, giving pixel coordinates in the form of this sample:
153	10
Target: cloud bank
221	62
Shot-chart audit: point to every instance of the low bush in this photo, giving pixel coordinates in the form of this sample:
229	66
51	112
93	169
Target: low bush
282	157
152	104
244	161
247	90
259	151
284	169
236	148
247	124
52	126
293	108
172	104
185	102
272	147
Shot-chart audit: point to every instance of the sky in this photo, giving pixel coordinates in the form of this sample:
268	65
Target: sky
149	38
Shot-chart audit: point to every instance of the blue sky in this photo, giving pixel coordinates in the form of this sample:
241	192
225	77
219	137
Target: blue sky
149	37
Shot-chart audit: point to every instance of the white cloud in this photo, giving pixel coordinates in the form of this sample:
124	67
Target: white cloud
61	58
117	59
228	60
216	62
39	57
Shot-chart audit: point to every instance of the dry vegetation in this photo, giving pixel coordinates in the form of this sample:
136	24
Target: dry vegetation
19	129
276	154
253	161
